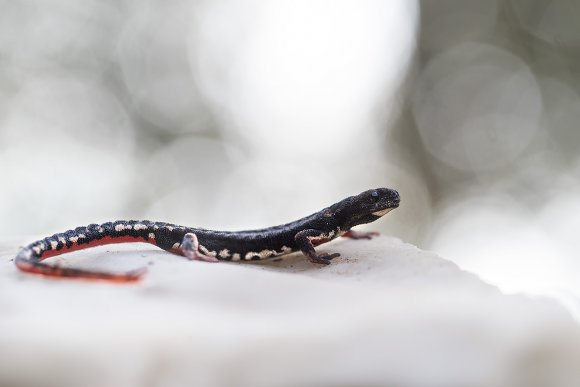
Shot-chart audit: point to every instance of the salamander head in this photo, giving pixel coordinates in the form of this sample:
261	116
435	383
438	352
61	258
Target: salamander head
365	207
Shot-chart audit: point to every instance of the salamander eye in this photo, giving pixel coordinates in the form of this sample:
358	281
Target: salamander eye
374	196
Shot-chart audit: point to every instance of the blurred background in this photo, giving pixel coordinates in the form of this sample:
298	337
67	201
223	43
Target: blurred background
242	114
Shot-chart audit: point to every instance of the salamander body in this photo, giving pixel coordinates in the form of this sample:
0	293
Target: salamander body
209	245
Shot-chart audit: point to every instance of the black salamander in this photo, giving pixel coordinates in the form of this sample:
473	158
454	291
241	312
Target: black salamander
211	246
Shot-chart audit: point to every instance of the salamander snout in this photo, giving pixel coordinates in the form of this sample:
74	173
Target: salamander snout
384	197
395	198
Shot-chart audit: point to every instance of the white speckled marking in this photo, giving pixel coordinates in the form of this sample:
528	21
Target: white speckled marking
139	226
119	227
175	246
225	253
236	257
53	244
262	254
74	239
323	237
205	251
151	235
62	240
37	250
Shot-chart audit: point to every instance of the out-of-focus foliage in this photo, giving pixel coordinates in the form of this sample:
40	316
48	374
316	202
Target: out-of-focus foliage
238	114
496	108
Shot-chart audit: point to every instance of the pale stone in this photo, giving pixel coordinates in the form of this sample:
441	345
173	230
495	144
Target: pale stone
383	314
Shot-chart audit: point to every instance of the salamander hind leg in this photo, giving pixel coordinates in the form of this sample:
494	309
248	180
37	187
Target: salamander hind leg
304	241
190	249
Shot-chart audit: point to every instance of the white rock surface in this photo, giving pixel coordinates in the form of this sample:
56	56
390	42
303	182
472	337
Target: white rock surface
384	314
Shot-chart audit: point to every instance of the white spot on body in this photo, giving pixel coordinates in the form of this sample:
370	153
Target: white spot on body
236	257
74	239
151	235
323	237
205	251
261	255
225	253
119	227
62	240
53	244
175	246
139	226
37	250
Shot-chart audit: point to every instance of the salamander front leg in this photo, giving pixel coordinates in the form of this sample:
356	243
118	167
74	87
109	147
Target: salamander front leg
190	249
304	241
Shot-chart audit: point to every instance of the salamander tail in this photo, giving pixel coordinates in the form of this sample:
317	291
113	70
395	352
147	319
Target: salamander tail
27	262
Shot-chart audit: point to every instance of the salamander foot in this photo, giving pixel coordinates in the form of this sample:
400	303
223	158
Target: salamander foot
360	234
323	258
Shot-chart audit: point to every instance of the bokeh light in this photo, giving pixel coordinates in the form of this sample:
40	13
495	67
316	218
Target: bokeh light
477	107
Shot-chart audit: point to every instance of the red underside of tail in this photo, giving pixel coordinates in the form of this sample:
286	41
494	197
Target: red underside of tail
53	271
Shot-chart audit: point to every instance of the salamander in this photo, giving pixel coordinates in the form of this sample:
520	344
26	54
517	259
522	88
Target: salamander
209	245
